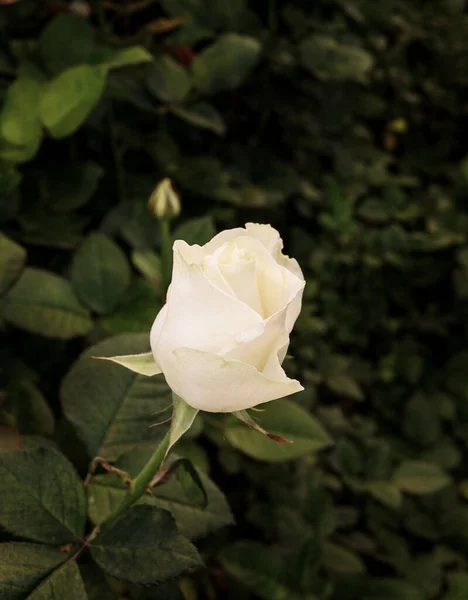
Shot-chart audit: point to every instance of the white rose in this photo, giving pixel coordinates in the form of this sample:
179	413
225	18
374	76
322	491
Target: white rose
223	334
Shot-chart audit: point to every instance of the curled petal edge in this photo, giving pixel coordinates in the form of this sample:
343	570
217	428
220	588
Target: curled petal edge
211	383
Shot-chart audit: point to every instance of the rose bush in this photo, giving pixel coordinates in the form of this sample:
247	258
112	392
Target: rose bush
223	334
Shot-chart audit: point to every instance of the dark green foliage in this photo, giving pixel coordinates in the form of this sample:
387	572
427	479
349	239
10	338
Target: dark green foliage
42	497
340	122
143	546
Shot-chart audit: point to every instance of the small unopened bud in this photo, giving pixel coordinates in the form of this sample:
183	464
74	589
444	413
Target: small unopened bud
164	202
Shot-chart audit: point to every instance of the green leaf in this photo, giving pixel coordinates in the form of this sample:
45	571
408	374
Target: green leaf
341	560
20	124
149	265
226	63
12	259
195	231
100	273
125	57
66	31
110	407
142	363
258	567
136	312
64	582
194	521
167	80
202	115
144	546
386	492
73	186
286	419
42	496
419	477
190	482
24	566
26	409
458	586
43	303
69	98
327	59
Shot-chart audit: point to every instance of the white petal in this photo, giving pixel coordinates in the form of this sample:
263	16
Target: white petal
291	265
143	364
264	233
211	383
210	266
241	277
199	315
267	235
223	238
192	254
156	329
277	285
256	345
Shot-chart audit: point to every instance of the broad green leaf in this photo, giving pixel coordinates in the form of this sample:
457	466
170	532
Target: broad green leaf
44	303
66	31
258	567
42	496
341	560
458	586
327	59
386	492
69	98
137	311
286	419
100	273
149	265
20	124
64	582
419	477
344	384
190	482
143	363
201	115
167	80
24	566
195	231
144	546
26	409
111	407
73	186
107	491
125	57
12	259
226	63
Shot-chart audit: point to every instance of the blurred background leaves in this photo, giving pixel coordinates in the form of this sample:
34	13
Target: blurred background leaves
340	123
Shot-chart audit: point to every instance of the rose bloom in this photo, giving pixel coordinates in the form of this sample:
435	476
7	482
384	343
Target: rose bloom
222	336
